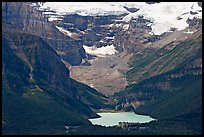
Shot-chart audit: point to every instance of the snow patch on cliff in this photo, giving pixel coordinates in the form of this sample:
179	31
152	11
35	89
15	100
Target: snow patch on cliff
66	32
100	52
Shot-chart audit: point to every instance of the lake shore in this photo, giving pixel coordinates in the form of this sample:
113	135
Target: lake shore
109	111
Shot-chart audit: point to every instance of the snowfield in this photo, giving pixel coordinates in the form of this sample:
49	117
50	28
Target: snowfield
86	8
100	52
164	15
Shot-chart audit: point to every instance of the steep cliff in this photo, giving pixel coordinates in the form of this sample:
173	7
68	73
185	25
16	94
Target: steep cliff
38	94
26	18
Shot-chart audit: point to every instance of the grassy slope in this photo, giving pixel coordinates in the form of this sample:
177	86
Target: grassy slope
156	61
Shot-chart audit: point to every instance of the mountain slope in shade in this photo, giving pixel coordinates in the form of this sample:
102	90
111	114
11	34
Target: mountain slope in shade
182	107
38	95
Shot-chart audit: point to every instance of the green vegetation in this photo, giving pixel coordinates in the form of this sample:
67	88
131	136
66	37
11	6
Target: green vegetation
36	113
160	127
186	100
88	95
173	98
39	97
49	102
154	61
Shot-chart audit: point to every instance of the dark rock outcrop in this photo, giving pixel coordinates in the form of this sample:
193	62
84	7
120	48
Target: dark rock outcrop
131	9
200	4
152	2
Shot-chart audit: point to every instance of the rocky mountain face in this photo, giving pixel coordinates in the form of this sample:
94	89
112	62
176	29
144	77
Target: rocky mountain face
136	36
155	88
69	33
90	29
32	84
30	20
36	85
96	32
33	73
45	52
179	50
104	74
152	61
147	51
174	96
167	74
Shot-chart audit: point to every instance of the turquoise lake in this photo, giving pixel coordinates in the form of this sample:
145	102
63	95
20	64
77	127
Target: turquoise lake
112	119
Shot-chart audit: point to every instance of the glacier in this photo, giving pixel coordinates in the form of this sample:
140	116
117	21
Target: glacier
164	15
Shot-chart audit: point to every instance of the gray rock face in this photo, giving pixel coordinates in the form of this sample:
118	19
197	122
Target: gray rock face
200	4
136	35
91	30
28	19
